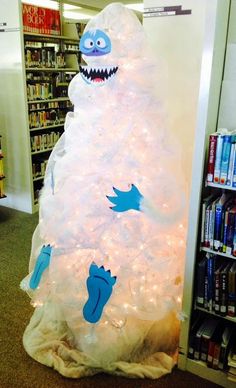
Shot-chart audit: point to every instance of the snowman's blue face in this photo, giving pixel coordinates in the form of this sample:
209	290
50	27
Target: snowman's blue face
95	43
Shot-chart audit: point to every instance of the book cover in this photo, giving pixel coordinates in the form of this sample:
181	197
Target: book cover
211	156
219	149
225	158
40	20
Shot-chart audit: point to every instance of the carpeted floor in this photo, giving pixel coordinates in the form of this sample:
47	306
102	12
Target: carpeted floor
17	369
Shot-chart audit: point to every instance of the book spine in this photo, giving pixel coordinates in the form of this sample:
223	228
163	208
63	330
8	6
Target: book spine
210	282
204	349
225	232
223	292
229	181
219	149
216	356
234	171
210	354
222	357
217	292
211	157
211	227
230	232
217	231
206	232
231	309
225	159
201	271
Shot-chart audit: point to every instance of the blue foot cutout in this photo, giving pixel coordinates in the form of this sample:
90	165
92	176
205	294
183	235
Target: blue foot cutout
126	200
42	263
99	285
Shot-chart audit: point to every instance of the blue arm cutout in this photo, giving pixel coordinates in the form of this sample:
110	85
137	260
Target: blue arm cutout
41	265
126	200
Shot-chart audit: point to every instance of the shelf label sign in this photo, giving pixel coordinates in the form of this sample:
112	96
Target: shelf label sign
40	20
174	10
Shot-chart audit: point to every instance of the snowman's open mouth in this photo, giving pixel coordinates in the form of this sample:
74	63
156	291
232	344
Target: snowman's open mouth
97	75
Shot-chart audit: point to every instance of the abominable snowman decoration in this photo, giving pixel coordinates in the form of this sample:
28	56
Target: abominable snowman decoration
107	255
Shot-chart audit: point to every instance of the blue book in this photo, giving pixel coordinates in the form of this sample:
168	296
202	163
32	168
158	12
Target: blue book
225	159
210	281
231	161
234	171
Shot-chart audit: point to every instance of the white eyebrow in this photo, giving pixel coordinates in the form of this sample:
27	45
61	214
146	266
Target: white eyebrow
92	31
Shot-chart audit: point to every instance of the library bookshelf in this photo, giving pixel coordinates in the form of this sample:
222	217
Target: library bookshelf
219	19
50	64
35	75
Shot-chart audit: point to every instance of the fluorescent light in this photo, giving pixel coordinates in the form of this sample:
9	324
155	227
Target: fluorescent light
136	7
69	7
76	15
43	3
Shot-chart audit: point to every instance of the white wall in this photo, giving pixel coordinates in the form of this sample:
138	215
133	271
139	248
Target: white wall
178	41
227	113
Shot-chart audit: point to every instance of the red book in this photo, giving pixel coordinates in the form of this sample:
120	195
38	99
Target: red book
211	157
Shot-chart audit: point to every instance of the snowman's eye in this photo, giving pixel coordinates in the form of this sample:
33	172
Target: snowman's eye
88	43
101	43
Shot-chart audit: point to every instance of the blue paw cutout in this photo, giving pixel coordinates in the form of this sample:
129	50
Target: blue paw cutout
99	285
126	200
42	263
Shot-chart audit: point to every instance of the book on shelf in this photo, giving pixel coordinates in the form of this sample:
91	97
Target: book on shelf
223	290
216	356
212	340
211	157
221	164
219	149
214	346
226	343
44	141
225	159
231	308
229	181
218	224
197	321
208	212
219	220
200	281
232	362
197	341
217	286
